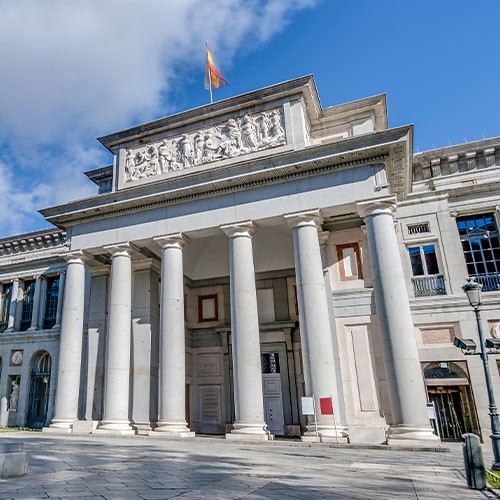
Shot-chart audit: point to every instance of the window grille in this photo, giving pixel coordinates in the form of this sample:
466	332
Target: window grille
418	228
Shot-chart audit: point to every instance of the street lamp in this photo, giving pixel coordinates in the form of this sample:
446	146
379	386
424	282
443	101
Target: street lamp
473	291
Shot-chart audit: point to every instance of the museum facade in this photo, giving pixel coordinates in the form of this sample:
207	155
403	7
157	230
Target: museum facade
242	255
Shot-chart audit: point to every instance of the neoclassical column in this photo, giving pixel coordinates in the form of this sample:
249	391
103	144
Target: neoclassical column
247	372
117	370
13	305
70	348
314	321
35	312
60	296
172	403
410	423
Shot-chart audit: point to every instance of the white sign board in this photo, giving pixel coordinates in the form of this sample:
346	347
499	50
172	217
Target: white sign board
307	406
430	411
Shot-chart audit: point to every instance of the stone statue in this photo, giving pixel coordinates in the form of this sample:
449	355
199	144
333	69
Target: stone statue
14	395
163	156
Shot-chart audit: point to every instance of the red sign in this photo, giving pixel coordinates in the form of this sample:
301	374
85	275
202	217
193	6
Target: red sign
326	406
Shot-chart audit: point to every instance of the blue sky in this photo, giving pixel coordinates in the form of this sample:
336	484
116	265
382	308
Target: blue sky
74	71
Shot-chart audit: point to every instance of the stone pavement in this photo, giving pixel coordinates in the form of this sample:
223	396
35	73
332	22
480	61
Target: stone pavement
134	469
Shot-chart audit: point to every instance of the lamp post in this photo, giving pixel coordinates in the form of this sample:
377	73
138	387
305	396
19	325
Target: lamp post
473	291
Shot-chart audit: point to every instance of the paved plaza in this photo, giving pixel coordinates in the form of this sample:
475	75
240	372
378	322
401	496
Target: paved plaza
129	469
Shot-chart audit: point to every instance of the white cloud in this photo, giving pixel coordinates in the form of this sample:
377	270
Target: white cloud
74	70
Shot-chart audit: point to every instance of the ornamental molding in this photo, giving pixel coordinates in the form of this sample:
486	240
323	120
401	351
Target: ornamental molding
269	176
235	137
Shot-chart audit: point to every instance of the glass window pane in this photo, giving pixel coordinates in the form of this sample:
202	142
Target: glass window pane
431	259
416	261
480	268
471	269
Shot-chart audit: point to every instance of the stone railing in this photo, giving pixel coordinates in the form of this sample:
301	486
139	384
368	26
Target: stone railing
424	286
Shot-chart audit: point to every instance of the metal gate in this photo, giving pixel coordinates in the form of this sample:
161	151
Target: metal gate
38	401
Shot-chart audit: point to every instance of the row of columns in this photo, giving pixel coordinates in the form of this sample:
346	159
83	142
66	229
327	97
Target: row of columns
16	304
405	382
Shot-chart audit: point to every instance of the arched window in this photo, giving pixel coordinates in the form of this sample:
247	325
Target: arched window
41	365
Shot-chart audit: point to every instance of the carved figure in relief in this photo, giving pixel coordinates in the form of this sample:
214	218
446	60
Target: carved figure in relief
14	396
252	132
276	129
198	148
263	128
231	142
163	156
209	147
185	150
130	166
249	133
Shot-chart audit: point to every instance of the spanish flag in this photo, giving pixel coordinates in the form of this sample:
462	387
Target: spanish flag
213	75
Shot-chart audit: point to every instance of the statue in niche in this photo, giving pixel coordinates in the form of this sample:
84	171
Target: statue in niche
249	133
14	395
276	129
185	150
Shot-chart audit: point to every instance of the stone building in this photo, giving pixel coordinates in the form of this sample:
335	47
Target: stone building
247	253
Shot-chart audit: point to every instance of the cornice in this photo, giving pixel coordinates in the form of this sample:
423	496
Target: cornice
305	85
374	148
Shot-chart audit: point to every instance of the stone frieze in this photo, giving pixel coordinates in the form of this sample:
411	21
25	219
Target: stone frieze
235	137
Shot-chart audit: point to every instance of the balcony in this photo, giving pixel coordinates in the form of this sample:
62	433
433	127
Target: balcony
424	286
490	282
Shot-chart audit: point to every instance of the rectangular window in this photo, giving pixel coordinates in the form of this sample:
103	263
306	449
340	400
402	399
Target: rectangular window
481	247
349	259
51	298
208	308
423	260
27	312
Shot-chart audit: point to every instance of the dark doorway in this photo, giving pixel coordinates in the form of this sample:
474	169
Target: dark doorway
39	390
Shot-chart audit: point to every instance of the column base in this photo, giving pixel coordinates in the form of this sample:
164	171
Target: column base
172	430
120	427
85	426
326	434
412	436
249	432
59	426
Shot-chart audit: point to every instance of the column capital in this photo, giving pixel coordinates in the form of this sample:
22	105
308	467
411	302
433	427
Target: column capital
306	218
76	257
174	240
247	228
16	280
101	270
377	206
125	248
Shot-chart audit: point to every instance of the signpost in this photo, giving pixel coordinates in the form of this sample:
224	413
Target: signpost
309	408
326	405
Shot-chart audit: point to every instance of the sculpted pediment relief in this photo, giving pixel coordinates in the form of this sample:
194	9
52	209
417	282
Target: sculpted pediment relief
235	137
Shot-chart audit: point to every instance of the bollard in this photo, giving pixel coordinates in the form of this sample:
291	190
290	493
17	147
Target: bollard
4	412
474	463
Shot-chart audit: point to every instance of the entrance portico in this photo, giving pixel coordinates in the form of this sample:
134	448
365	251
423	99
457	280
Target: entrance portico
224	225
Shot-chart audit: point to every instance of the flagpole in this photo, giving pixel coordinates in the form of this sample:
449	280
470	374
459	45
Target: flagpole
209	75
